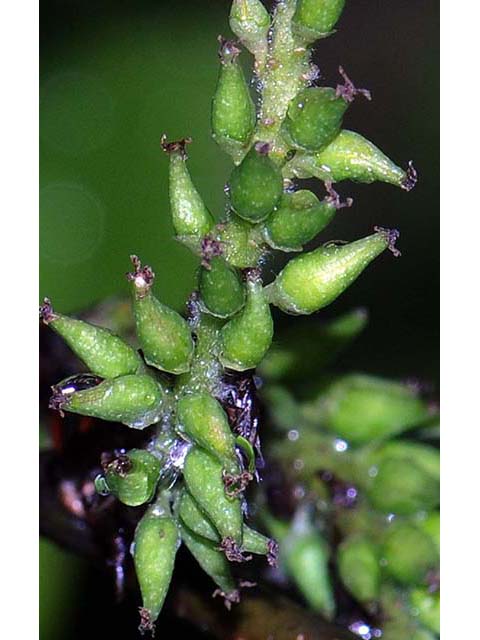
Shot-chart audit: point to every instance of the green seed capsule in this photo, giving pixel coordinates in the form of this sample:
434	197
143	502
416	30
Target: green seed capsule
213	562
249	21
352	157
136	401
132	478
163	334
409	554
104	353
363	408
256	185
299	218
426	608
233	110
316	18
191	218
359	568
221	289
202	418
314	280
242	243
204	478
247	337
315	115
155	546
431	526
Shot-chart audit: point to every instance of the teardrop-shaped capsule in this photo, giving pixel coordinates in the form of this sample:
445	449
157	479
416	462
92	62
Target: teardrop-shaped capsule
203	475
313	280
316	19
408	554
190	217
256	185
155	546
425	607
248	336
359	568
300	216
203	419
163	334
134	400
221	288
352	157
242	243
233	110
104	353
250	21
133	477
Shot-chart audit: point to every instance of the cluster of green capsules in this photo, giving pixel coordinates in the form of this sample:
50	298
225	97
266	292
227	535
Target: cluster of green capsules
360	453
196	467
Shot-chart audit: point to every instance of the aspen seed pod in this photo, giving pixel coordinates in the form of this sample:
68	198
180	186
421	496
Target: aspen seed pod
314	118
409	554
221	289
299	218
204	479
256	185
136	401
352	157
247	337
359	568
203	419
155	546
163	334
104	353
250	21
425	606
316	18
315	279
190	217
133	477
242	243
233	111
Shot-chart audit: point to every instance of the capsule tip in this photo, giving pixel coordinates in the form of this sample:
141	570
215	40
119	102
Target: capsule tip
272	555
58	400
235	485
411	178
391	236
175	146
46	311
228	51
146	622
210	248
348	91
142	277
334	199
232	551
262	148
232	597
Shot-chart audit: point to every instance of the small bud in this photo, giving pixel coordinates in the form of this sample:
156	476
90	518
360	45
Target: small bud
248	336
359	568
133	477
104	353
202	419
221	289
425	607
155	546
190	217
233	110
163	334
299	218
134	400
256	185
249	21
408	554
314	280
316	19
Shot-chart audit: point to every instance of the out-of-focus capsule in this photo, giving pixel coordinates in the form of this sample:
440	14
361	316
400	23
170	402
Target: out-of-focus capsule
163	334
247	336
430	525
105	354
425	606
256	185
155	546
133	477
316	19
359	568
221	288
233	110
136	401
313	280
408	554
190	217
250	21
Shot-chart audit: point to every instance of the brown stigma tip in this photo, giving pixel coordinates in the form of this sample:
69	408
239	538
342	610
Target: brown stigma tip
235	485
120	466
46	311
334	198
229	50
411	177
177	146
57	400
348	91
146	622
142	277
232	551
391	236
272	555
252	274
210	248
262	148
232	597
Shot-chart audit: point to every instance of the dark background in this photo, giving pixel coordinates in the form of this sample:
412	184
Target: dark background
113	77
